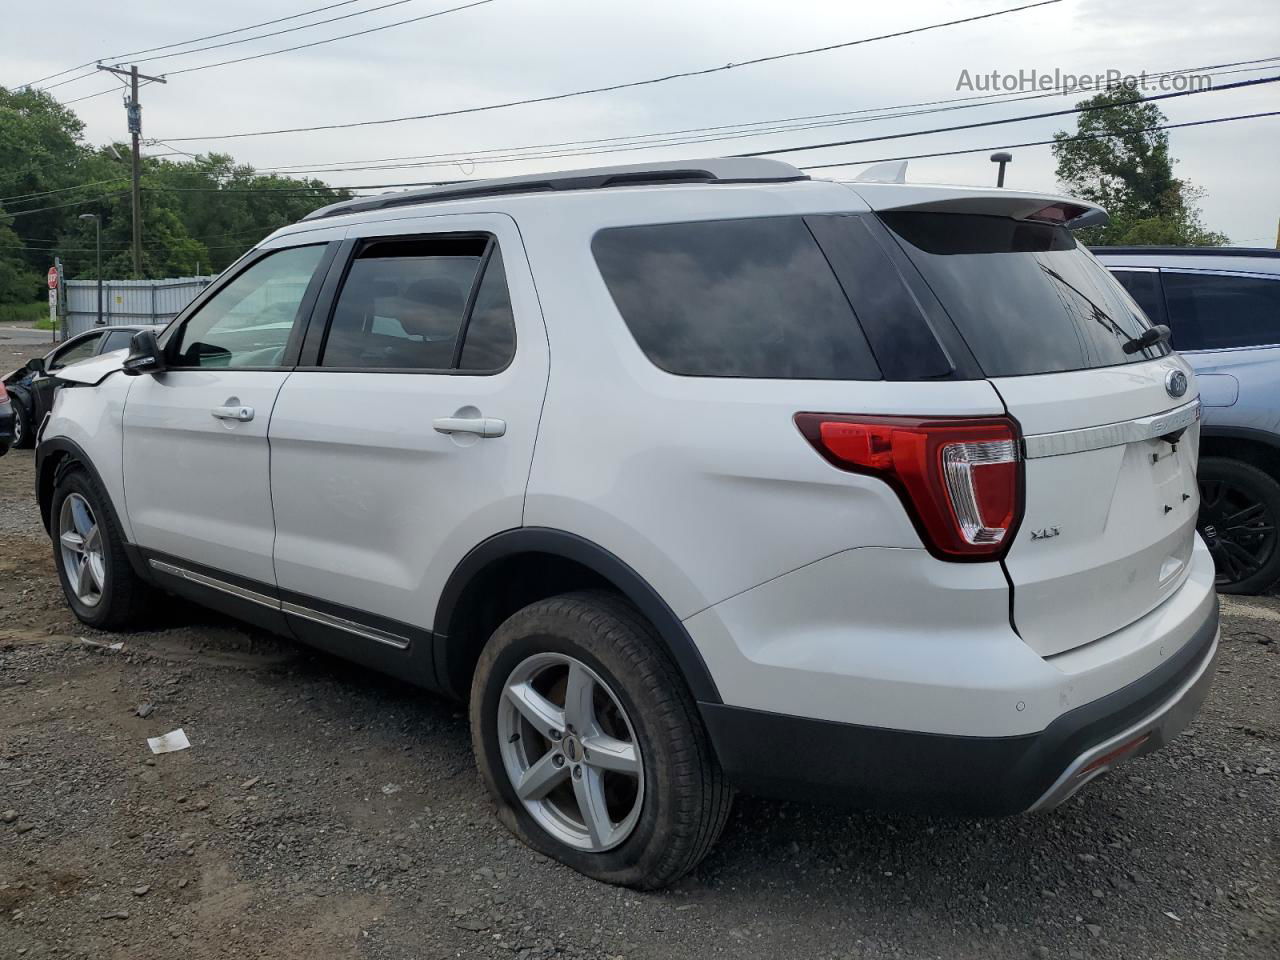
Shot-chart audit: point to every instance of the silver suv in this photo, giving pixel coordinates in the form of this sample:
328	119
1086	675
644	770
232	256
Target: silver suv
1223	305
690	477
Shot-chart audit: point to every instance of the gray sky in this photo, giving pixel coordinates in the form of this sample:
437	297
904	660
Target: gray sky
511	49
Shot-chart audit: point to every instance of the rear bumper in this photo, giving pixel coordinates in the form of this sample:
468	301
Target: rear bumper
804	758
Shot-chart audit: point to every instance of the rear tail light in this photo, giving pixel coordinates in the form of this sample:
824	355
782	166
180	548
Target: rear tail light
4	394
959	479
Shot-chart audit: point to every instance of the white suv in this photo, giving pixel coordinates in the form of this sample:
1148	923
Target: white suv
692	477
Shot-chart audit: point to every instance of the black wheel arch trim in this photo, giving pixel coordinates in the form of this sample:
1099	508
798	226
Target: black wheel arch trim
1248	434
70	450
1263	437
596	558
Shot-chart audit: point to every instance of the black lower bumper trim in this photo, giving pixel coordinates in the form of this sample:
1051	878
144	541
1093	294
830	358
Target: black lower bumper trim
819	760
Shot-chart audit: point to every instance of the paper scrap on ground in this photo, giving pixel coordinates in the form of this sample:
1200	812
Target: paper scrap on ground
169	742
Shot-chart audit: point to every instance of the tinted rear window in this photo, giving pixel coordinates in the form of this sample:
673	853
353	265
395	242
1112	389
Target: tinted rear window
1212	312
1025	297
734	298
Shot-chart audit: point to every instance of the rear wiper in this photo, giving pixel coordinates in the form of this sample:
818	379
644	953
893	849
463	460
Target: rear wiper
1159	333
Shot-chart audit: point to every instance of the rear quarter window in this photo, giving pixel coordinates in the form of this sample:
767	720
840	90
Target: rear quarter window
734	298
1025	296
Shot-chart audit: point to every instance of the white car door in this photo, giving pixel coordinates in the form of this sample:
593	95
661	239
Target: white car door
405	439
196	459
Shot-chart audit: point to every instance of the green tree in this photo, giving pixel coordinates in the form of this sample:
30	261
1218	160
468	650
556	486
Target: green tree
39	152
18	282
198	214
1124	166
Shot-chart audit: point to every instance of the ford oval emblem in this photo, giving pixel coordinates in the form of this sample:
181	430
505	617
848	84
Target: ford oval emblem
1175	382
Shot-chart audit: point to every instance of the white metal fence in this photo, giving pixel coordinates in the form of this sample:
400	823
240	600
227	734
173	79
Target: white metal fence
129	301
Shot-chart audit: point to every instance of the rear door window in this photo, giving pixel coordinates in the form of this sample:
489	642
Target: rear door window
490	339
432	303
1025	296
734	298
1217	312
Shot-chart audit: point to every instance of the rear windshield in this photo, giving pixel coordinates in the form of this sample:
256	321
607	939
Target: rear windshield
1025	296
734	298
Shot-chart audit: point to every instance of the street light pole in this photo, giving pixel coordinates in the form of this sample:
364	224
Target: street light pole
1001	159
98	222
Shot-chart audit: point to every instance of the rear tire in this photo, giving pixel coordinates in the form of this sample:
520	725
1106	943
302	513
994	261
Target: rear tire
24	435
664	797
97	579
1239	512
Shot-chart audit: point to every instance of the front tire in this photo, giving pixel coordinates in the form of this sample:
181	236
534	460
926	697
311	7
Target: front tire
1239	511
101	587
24	435
588	739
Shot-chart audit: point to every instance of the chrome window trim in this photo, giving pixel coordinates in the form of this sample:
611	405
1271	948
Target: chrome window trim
1111	434
1217	272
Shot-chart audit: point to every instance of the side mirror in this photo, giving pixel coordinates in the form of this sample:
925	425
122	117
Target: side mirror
145	355
36	365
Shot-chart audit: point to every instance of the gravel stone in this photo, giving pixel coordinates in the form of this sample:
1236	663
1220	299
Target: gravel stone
294	747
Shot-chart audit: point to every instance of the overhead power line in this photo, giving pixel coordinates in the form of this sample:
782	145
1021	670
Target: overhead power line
49	193
345	36
700	135
101	93
313	189
74	203
183	43
842	163
105	249
236	235
995	123
272	53
622	86
1039	143
276	33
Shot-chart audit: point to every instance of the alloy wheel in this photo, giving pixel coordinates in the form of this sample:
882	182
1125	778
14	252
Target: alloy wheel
1238	529
17	426
570	752
80	540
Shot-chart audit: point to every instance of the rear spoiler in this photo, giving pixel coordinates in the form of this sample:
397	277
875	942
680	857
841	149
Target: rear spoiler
1042	208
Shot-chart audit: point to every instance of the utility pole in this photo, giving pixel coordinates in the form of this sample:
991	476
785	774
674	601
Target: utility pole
134	110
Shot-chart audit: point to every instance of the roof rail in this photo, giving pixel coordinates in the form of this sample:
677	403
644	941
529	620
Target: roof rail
721	170
1161	251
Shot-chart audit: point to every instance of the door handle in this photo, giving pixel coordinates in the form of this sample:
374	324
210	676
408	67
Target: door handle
480	426
239	414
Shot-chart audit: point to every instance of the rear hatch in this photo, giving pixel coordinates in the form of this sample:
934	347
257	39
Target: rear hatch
1110	437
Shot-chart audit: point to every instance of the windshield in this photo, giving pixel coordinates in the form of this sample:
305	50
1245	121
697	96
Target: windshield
1025	296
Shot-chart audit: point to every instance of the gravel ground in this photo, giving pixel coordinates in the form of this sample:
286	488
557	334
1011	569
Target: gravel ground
325	811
